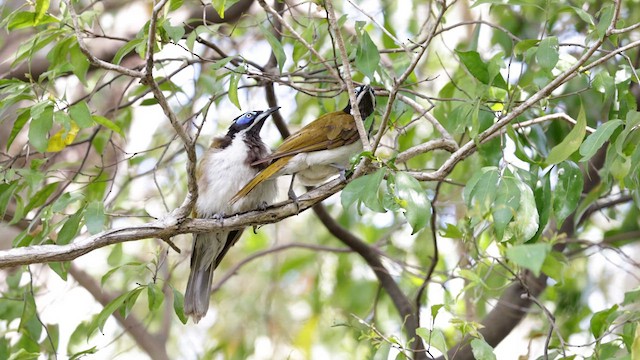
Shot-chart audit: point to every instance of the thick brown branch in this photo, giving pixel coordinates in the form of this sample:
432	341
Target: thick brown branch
400	300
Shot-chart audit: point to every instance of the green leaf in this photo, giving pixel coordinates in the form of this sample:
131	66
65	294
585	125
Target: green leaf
23	117
530	256
484	191
130	301
25	19
276	47
434	338
452	232
60	268
41	8
70	228
601	321
175	32
178	306
585	16
480	70
80	63
524	45
41	123
606	15
115	257
175	4
547	53
99	321
155	296
631	297
481	350
367	55
526	220
233	88
95	217
506	203
127	48
571	142
414	200
365	189
41	196
81	114
568	190
219	64
595	141
108	124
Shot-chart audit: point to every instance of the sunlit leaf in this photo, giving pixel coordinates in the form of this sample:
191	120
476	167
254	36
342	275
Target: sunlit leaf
506	204
595	141
530	256
62	138
414	200
571	142
481	350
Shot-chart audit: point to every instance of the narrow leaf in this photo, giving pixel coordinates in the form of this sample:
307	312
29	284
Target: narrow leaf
70	228
22	119
233	89
568	190
276	47
178	306
108	124
41	123
571	142
595	141
41	8
479	69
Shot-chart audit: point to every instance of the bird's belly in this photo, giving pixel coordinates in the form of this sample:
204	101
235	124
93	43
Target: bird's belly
223	176
316	167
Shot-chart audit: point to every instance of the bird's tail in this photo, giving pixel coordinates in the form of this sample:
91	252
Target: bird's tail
196	296
263	175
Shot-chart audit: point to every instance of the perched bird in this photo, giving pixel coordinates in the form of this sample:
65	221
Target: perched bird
230	162
319	150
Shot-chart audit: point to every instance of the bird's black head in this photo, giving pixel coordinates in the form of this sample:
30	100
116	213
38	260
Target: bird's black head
366	101
250	122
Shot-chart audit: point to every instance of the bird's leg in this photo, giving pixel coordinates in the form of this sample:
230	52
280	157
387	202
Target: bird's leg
263	206
218	216
292	194
342	171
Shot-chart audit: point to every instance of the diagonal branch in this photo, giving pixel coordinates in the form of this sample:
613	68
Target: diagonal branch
400	300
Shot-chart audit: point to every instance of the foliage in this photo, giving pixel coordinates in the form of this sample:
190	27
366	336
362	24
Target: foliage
502	179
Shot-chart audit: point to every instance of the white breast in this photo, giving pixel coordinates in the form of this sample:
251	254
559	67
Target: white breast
316	167
224	173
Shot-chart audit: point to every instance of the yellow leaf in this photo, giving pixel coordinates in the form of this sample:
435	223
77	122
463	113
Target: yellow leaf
62	138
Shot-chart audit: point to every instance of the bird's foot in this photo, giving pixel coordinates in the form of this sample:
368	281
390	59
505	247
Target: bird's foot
218	216
342	172
294	198
263	206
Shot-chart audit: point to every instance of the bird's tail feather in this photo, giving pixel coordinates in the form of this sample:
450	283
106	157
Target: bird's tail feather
263	175
196	296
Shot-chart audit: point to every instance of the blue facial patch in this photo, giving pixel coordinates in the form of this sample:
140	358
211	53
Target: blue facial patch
246	118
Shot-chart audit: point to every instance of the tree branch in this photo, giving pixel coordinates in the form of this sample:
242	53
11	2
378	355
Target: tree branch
399	299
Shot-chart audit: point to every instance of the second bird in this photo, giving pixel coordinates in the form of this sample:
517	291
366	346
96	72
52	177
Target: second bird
230	162
317	151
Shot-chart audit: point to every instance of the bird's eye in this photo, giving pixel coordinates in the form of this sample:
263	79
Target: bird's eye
245	119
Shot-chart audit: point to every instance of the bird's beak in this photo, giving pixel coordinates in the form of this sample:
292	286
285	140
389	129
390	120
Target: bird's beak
261	119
